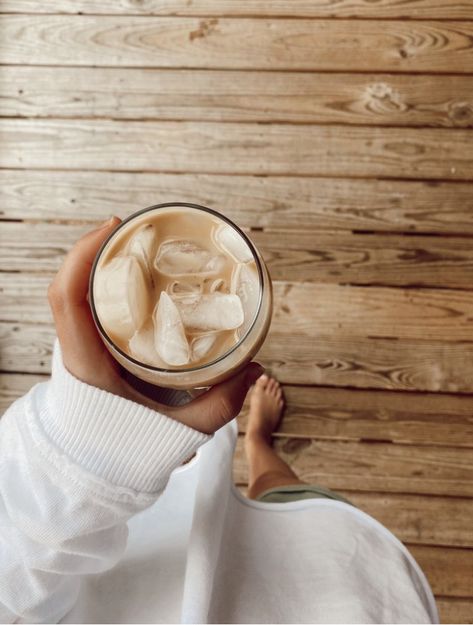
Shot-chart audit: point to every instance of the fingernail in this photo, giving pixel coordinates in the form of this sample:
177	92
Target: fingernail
255	370
106	223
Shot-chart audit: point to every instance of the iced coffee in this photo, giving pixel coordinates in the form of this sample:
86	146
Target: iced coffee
181	296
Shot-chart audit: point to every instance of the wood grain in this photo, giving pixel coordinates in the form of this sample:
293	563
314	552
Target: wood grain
232	43
401	365
452	589
339	146
374	466
252	201
455	610
371	259
316	310
428	9
420	520
415	519
24	298
13	386
377	99
237	148
448	570
424	365
312	310
346	414
323	257
26	348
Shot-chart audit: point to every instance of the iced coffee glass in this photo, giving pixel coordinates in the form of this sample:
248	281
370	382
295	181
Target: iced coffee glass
180	296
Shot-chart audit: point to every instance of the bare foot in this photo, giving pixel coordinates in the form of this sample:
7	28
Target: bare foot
266	408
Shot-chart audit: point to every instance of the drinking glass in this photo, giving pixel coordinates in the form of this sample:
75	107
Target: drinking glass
227	364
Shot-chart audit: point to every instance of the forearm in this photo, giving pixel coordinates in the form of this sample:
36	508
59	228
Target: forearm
76	463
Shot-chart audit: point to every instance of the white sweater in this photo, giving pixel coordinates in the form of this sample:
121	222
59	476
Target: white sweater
82	471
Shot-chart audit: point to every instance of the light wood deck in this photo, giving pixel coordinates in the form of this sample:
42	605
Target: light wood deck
339	134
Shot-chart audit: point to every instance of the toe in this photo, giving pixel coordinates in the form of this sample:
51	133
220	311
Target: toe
262	381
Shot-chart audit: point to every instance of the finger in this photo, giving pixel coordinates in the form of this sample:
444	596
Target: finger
210	411
75	326
72	279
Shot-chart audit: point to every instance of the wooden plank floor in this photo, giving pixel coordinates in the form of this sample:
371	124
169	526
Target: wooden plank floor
338	134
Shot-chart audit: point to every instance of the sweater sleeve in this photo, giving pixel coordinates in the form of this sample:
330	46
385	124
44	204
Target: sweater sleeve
76	463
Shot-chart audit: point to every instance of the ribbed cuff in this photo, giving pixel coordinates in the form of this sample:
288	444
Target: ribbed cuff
118	440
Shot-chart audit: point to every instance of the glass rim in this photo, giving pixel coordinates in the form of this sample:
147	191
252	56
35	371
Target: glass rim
132	217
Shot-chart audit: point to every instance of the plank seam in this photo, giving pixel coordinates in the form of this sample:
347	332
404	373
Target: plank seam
391	493
370	443
252	70
204	172
259	122
433	182
227	122
265	70
245	16
382	285
367	441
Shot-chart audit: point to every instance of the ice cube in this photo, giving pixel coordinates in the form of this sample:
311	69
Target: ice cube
232	243
245	284
184	288
201	345
121	296
210	312
142	346
141	245
184	257
170	338
217	285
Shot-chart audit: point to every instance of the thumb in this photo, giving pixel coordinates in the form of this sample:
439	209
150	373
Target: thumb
73	276
219	405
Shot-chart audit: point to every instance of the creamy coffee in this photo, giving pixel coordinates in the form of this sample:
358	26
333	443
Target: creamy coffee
176	289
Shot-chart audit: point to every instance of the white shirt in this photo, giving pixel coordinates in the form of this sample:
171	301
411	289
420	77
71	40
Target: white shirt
80	468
